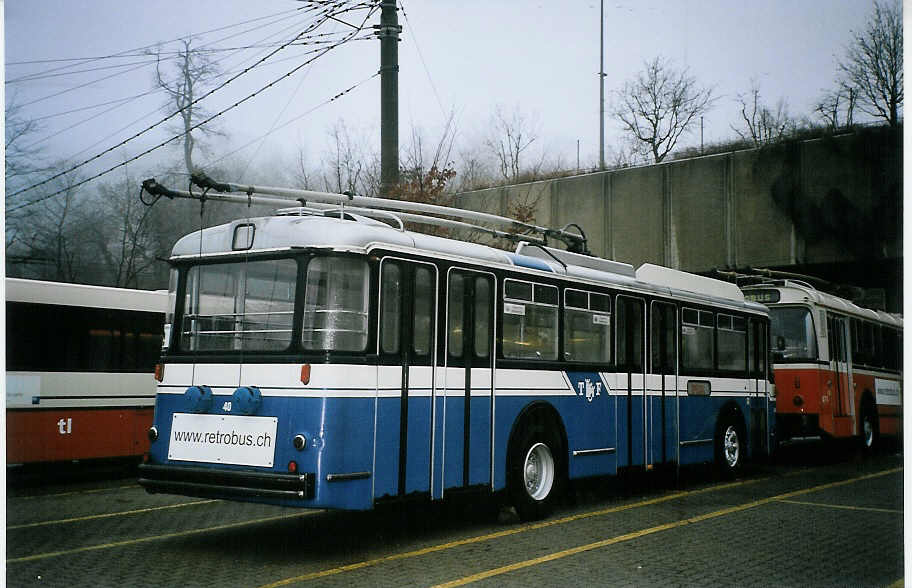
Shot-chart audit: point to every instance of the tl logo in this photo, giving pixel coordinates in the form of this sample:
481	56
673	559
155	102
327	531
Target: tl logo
65	426
588	389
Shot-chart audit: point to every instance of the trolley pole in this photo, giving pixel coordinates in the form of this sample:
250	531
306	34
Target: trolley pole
388	32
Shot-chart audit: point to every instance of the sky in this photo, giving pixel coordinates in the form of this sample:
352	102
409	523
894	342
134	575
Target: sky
468	57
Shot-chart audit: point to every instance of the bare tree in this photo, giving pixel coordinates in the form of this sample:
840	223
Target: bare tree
837	107
424	172
193	71
474	172
628	152
348	168
762	123
510	137
21	156
123	239
873	63
659	105
47	241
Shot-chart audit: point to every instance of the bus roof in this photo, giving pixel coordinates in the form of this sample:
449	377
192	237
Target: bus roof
359	234
795	292
64	294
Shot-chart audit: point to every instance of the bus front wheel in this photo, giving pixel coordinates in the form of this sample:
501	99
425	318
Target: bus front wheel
535	473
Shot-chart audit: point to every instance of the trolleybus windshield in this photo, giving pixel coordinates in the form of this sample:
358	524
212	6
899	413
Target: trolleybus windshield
792	330
244	306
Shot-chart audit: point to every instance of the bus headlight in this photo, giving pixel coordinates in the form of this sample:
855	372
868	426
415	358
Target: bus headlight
246	400
199	398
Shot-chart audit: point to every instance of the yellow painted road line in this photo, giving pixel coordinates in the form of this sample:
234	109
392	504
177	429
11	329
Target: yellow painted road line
500	534
843	506
125	542
73	492
107	515
657	529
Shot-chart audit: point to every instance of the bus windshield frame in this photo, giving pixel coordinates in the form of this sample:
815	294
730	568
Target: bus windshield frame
272	305
796	342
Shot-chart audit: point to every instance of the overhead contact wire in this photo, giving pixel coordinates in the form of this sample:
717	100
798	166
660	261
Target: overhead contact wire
192	128
169	117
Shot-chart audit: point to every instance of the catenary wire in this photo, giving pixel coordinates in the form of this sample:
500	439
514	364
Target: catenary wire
151	149
156	109
133	52
210	92
295	119
123	102
411	31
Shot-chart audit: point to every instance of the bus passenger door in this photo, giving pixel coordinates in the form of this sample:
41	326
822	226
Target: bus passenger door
633	427
757	352
469	377
663	384
406	381
839	387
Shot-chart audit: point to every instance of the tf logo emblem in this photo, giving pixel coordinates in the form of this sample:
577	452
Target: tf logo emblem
588	389
586	384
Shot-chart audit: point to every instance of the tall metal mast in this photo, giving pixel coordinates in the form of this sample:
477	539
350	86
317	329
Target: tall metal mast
602	86
388	32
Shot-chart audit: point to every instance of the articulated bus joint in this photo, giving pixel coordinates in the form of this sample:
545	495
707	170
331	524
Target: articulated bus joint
207	482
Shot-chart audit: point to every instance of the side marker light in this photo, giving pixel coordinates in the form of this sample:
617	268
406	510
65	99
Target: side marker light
159	372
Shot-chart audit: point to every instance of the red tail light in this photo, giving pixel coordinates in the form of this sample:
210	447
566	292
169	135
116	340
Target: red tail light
305	374
292	467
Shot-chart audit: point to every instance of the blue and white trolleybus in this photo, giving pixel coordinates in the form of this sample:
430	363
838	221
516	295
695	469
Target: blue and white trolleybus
328	357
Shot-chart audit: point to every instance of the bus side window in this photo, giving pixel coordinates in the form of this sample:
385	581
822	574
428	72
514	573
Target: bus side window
390	308
530	321
587	327
732	342
697	349
663	338
858	356
455	327
422	322
757	349
482	318
629	334
891	348
878	359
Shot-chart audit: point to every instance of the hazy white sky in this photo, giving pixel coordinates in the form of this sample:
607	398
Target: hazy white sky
540	57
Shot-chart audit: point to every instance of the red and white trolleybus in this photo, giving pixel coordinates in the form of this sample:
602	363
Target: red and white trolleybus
79	361
838	366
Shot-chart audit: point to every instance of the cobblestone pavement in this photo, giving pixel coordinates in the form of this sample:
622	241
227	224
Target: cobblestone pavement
817	517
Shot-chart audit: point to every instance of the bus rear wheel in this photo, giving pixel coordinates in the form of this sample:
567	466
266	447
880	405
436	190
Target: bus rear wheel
535	474
869	432
730	448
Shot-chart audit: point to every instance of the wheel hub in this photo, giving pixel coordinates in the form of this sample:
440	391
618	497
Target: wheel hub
538	471
731	446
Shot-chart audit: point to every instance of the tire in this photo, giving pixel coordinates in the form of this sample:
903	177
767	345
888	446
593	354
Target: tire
535	473
870	433
730	447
